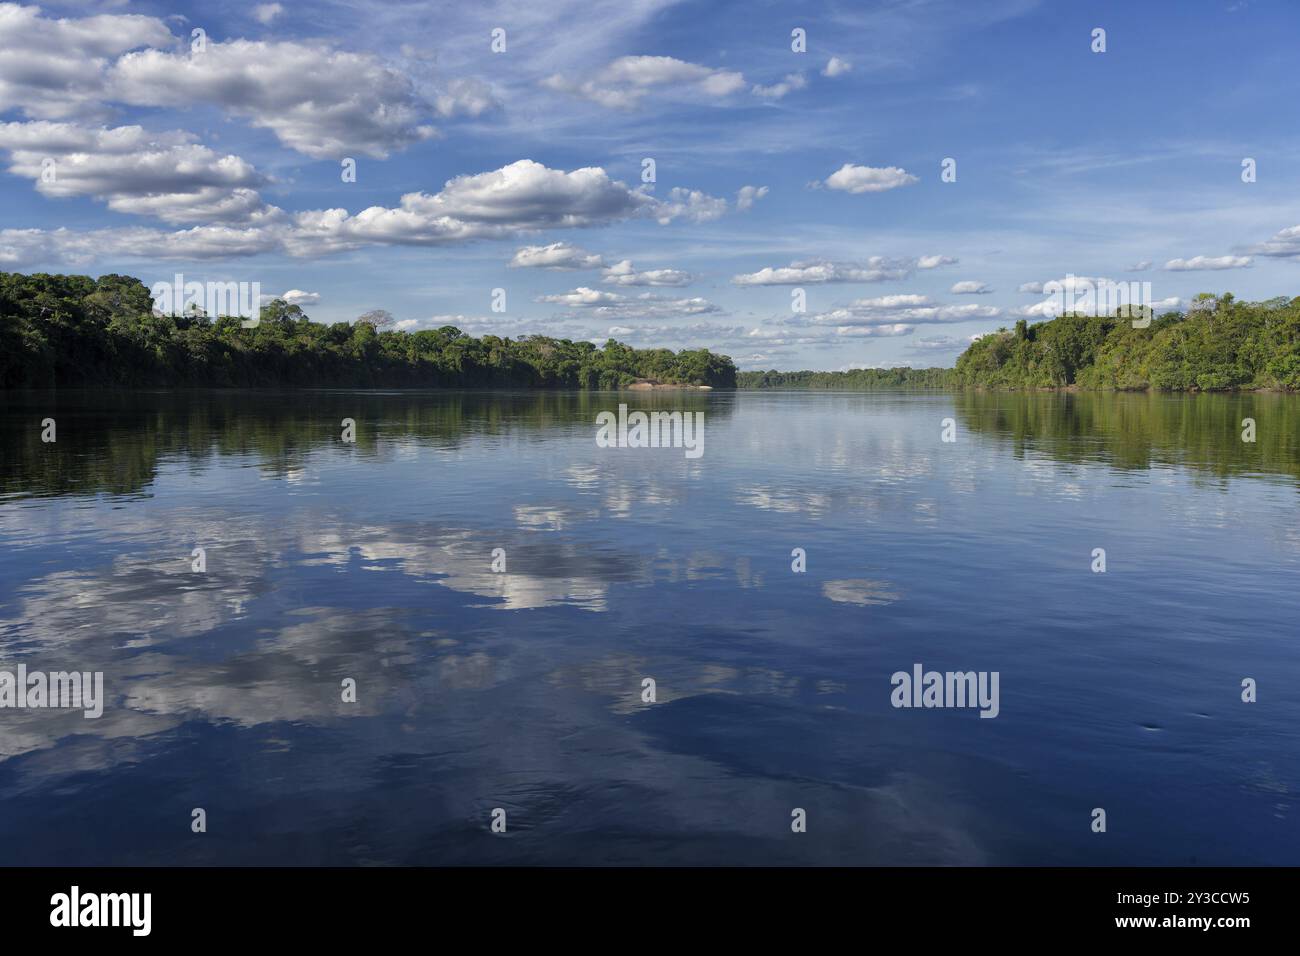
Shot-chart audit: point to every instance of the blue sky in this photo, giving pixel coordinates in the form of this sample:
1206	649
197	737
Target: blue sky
125	149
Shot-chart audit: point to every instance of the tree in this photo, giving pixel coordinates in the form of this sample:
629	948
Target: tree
377	319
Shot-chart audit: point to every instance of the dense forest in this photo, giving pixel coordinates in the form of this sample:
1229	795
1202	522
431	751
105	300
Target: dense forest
854	380
75	331
61	331
1219	344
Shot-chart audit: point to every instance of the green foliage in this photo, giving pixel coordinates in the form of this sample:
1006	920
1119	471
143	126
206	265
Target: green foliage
856	380
74	331
1220	345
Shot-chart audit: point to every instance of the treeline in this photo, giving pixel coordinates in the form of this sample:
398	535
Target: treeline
858	379
61	331
1219	344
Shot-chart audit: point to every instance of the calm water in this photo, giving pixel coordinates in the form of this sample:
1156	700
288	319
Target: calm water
522	690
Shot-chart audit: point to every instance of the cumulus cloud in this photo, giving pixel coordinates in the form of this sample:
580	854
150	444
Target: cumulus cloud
582	296
623	273
891	302
319	101
970	287
623	83
746	196
874	331
1069	283
912	310
836	67
792	82
1284	244
299	297
557	255
692	205
874	269
934	262
463	96
1088	295
64	245
868	179
614	305
55	68
522	197
166	176
1197	263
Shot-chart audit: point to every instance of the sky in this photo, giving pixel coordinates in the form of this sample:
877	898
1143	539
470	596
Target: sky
763	179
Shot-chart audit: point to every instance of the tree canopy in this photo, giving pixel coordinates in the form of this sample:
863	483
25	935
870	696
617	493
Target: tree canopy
1219	344
75	331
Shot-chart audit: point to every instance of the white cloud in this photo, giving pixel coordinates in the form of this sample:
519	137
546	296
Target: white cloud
64	245
299	297
692	205
868	179
836	67
1142	266
582	296
874	331
886	310
264	13
464	96
1047	309
1284	244
1069	283
623	83
623	274
1087	295
792	82
521	197
54	69
874	269
612	305
557	255
934	262
902	301
1207	262
970	287
322	102
165	175
746	196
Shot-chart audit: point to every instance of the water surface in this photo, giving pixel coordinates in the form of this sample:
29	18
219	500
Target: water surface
478	690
